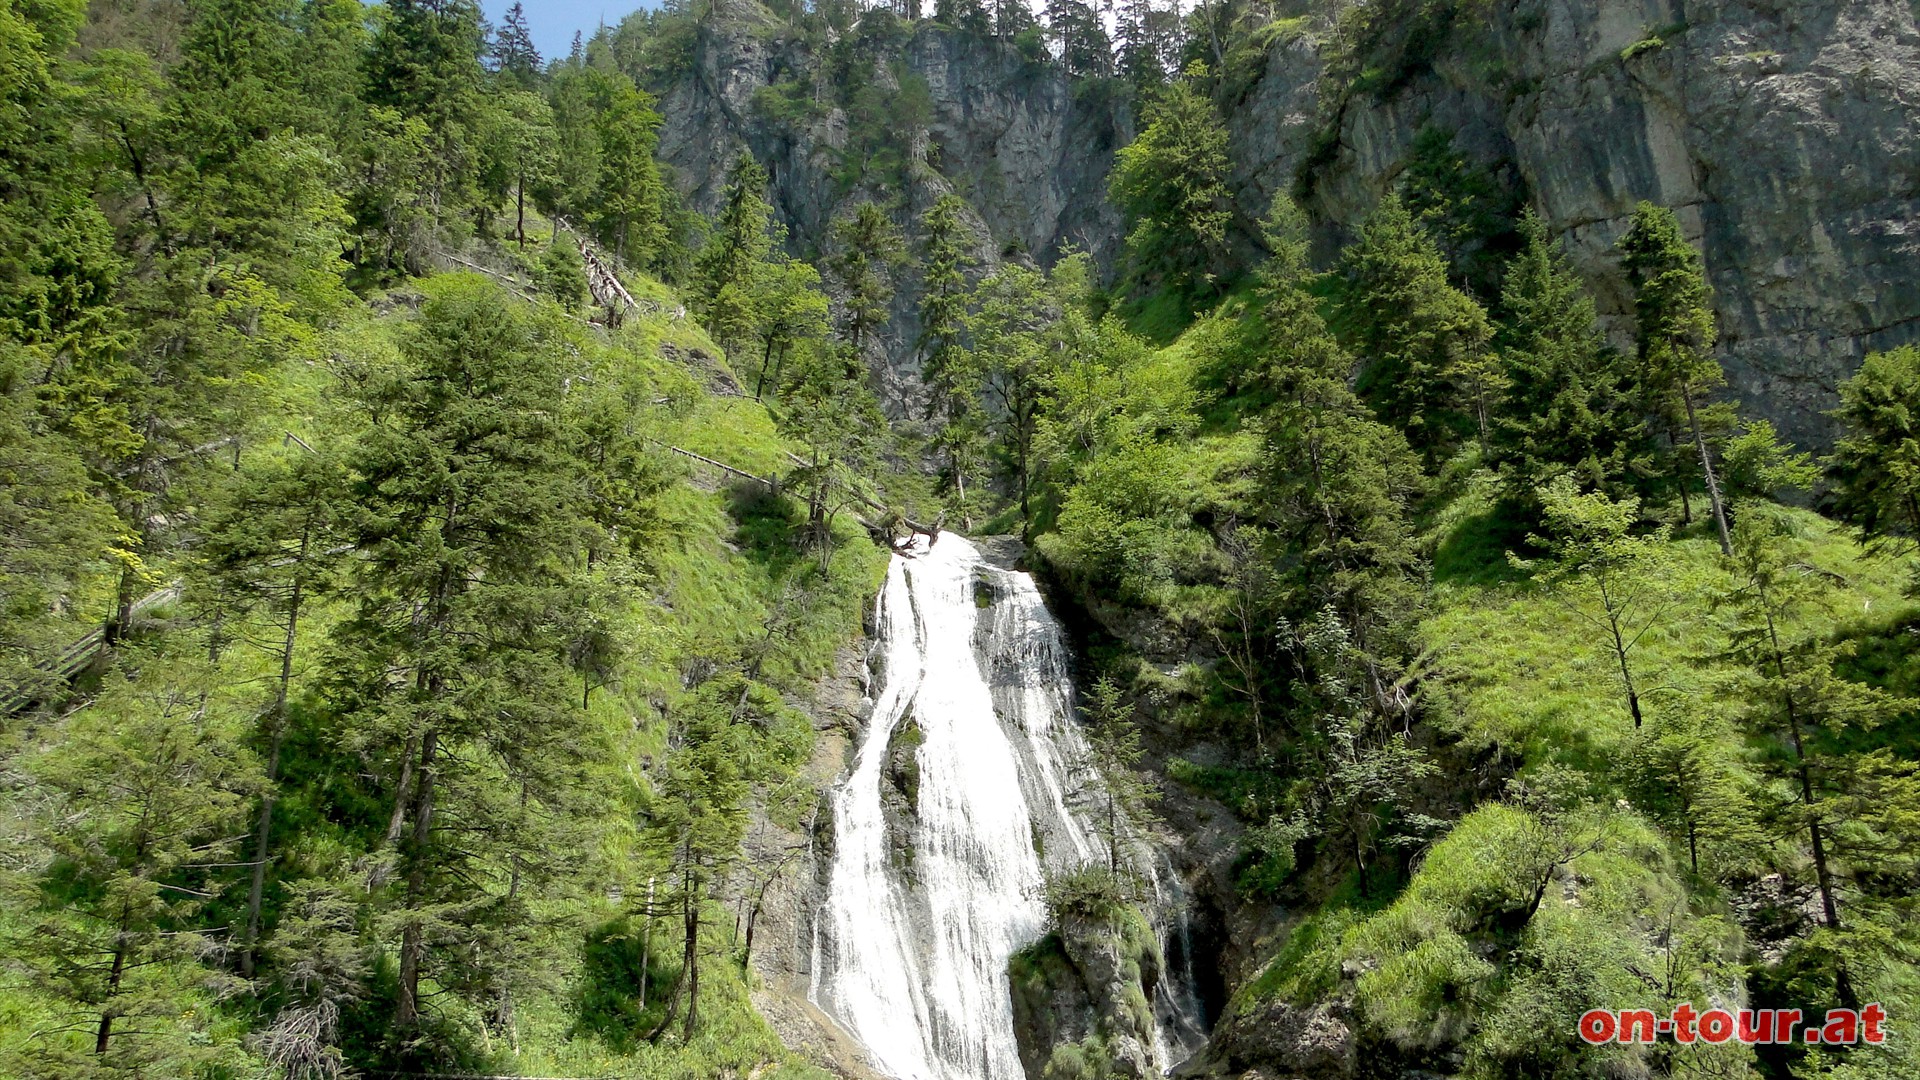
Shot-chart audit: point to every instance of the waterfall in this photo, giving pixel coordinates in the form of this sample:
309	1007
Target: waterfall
912	946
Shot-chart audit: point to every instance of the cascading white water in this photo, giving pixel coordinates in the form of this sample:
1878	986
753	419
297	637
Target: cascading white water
912	947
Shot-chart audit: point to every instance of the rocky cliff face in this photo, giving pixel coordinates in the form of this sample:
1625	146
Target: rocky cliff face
1027	149
1786	131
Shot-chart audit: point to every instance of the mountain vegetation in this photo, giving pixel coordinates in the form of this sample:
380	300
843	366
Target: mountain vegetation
426	520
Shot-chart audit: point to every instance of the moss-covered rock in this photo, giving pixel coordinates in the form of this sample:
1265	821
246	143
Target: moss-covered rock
1082	999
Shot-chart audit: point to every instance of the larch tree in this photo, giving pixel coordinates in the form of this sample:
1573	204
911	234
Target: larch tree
272	547
1613	580
1125	794
1802	708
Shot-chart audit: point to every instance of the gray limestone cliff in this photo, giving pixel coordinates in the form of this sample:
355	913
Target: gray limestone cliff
1787	133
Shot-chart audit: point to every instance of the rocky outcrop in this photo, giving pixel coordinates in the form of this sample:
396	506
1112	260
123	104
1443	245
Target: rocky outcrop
1026	148
1084	993
1787	132
1279	1039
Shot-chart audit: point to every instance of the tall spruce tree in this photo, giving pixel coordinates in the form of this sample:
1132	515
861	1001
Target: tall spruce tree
425	63
1676	334
739	247
946	256
451	672
1875	467
1569	405
1423	344
1340	484
867	251
513	52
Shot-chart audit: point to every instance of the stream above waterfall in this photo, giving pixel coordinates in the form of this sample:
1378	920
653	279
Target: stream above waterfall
973	738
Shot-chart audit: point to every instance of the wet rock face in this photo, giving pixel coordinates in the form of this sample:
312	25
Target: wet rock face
1786	131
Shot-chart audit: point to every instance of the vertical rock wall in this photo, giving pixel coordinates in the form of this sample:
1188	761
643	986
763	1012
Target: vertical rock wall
1787	133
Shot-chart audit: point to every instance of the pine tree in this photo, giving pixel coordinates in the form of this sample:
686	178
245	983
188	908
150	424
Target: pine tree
1875	467
1684	773
1080	38
1145	44
1017	338
1423	342
562	275
1676	335
569	189
1364	767
789	310
521	149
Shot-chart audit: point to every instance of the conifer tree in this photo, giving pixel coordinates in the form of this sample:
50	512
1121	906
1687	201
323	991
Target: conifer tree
1676	335
425	63
1875	467
628	208
521	149
869	250
152	787
1080	38
1802	707
1613	580
269	552
827	407
742	240
1017	339
1340	484
1171	183
1422	342
514	54
1567	409
468	503
946	256
1125	795
789	310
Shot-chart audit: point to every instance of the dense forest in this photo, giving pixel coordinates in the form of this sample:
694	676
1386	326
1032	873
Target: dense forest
427	521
